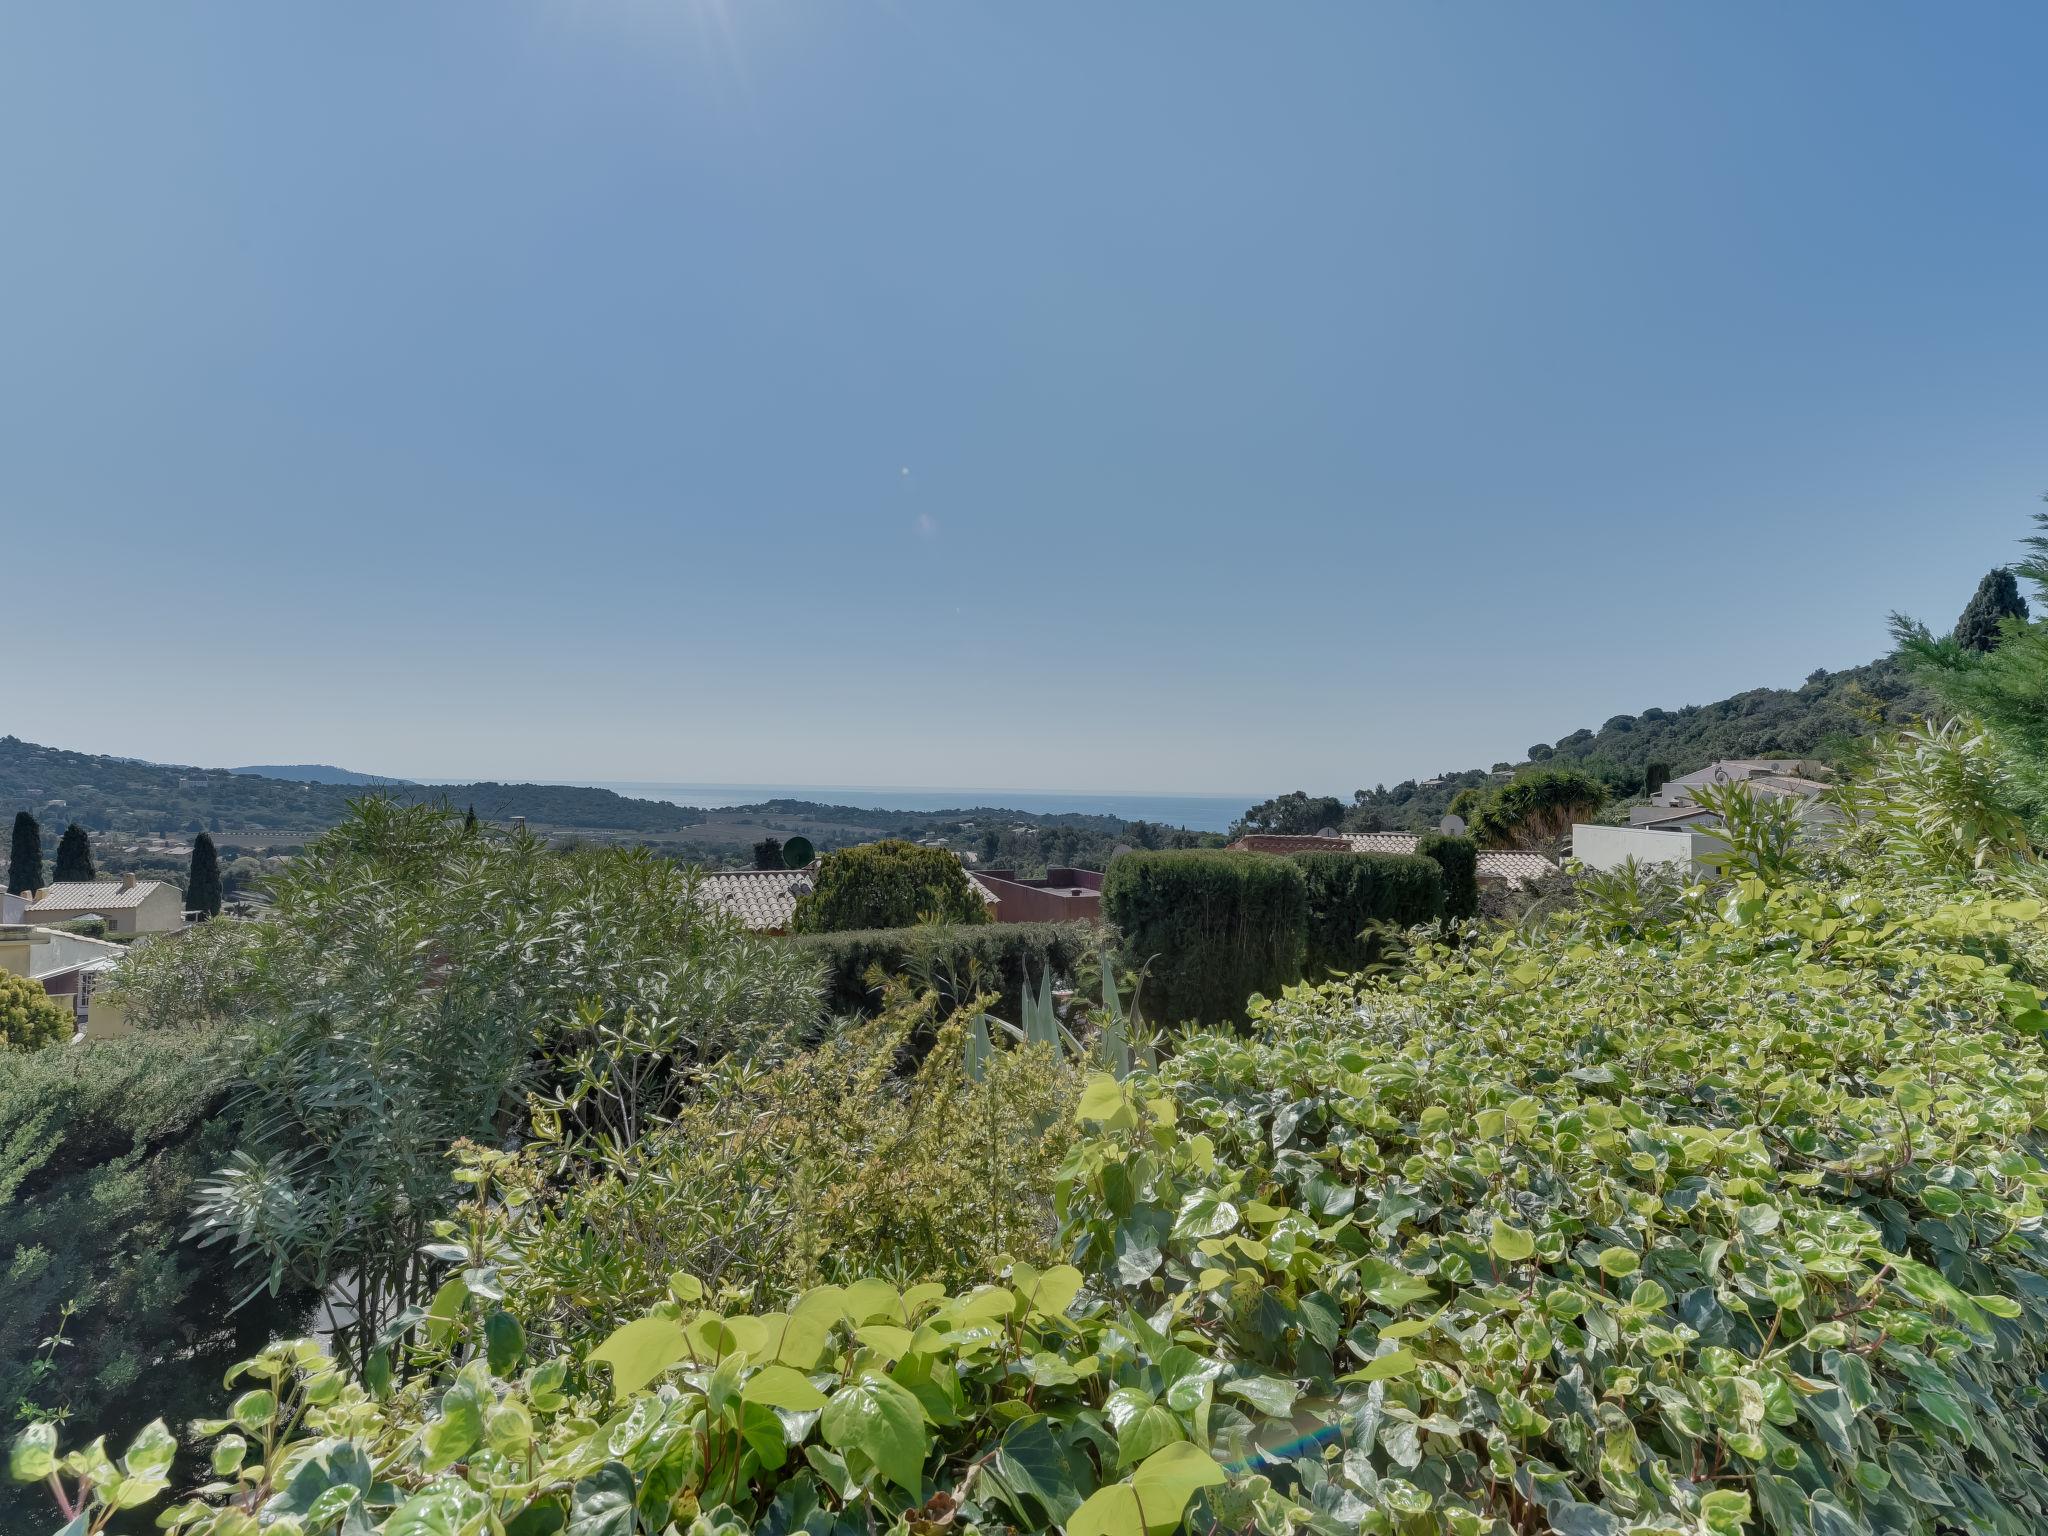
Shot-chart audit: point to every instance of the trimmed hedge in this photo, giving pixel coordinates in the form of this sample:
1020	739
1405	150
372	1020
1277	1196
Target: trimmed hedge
890	884
1458	858
1354	897
1213	927
962	958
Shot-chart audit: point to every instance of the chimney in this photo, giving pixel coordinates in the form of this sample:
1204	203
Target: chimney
128	881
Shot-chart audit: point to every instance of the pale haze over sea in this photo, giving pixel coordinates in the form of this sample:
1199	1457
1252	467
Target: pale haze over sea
1199	813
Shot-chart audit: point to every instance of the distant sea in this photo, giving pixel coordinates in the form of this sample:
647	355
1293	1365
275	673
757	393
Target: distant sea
1198	813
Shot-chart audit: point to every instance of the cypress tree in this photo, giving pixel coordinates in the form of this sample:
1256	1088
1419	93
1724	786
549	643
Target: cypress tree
202	885
25	856
1997	597
768	853
469	821
74	855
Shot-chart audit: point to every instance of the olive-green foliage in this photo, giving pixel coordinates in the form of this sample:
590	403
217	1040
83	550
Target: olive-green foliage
74	855
1458	858
1996	599
1360	903
828	1167
202	882
958	960
1728	1225
890	884
25	855
2004	688
29	1017
412	982
1296	813
100	1145
1212	929
1536	807
194	978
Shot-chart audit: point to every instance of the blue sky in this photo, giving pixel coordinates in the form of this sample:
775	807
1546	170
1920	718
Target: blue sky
1164	396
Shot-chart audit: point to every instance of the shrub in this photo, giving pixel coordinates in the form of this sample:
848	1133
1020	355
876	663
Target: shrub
1213	928
890	884
1359	902
100	1146
1728	1226
830	1167
29	1017
1537	807
956	960
1458	858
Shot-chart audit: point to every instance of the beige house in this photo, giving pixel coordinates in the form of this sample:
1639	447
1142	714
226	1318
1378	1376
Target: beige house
129	905
70	968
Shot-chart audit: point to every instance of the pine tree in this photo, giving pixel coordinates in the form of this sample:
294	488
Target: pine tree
768	853
74	855
202	885
25	857
1997	597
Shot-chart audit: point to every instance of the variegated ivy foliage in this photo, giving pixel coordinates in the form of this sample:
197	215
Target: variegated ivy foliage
1736	1227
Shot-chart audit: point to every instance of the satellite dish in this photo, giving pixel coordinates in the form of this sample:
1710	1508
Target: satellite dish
797	852
1326	832
1452	826
1119	849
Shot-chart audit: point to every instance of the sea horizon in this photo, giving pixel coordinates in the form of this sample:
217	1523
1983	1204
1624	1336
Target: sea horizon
1196	812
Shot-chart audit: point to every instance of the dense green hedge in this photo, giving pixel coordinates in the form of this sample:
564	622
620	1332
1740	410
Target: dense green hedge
99	1146
890	884
1354	897
1213	928
1458	858
961	959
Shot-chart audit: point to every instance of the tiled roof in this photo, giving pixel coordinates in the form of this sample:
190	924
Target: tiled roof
1514	870
94	896
1382	842
762	899
765	899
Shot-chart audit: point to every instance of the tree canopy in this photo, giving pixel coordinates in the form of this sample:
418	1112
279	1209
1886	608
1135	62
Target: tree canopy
890	884
1996	599
25	855
74	854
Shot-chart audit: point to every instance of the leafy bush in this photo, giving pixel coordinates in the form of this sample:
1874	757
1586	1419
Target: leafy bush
194	978
1458	858
1731	1226
829	1167
100	1146
1535	808
890	884
1213	927
412	982
1360	903
29	1017
959	961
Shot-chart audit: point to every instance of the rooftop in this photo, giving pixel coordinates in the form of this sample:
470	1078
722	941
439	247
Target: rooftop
96	895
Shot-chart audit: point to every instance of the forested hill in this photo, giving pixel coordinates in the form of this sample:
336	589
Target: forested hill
124	794
315	773
1822	718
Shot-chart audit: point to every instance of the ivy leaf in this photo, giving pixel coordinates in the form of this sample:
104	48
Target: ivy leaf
1035	1462
602	1503
778	1386
882	1421
1725	1512
504	1342
641	1351
1511	1242
34	1454
445	1508
151	1452
1104	1103
1153	1499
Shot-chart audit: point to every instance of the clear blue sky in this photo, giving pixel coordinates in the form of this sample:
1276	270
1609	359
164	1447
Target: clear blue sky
1164	396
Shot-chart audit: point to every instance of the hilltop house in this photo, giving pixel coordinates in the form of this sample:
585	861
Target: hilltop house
129	905
1509	868
1674	828
70	967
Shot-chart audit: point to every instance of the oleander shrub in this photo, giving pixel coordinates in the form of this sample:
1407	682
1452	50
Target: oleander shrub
958	960
29	1017
889	884
1458	858
1212	927
101	1145
1359	905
